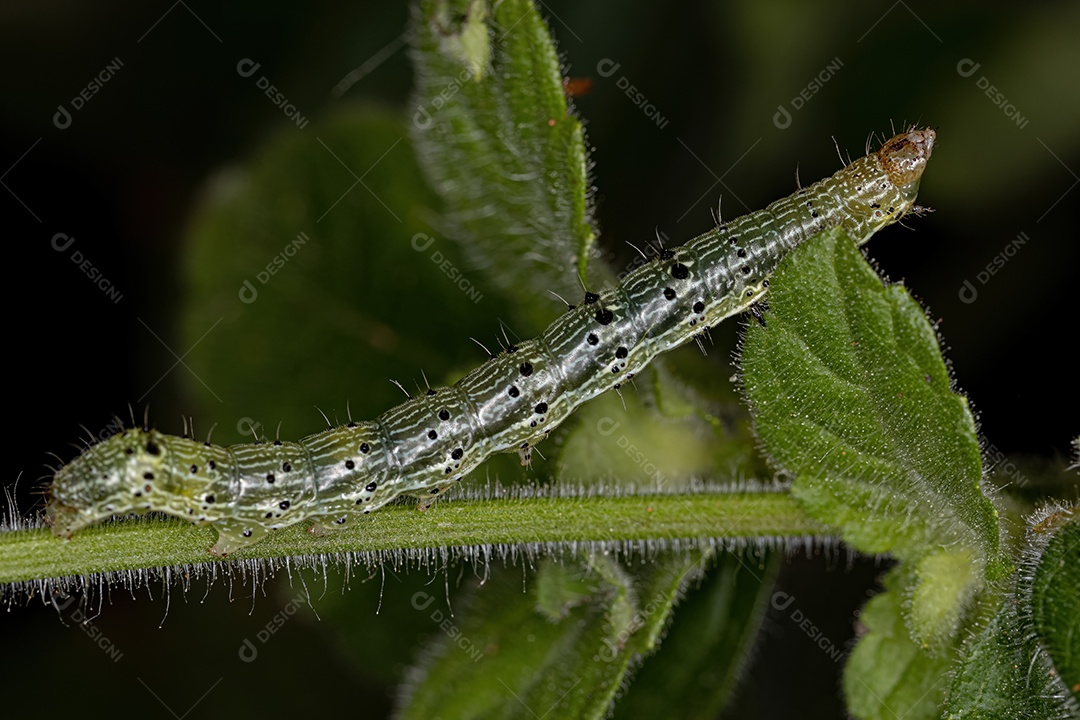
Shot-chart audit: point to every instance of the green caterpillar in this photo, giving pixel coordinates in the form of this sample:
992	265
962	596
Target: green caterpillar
509	403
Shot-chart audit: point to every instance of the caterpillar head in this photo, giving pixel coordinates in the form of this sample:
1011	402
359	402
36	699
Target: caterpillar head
121	475
904	158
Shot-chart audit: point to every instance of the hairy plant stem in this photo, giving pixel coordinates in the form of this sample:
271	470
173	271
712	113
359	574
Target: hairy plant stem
547	522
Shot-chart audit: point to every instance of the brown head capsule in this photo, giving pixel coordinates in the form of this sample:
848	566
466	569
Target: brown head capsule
904	157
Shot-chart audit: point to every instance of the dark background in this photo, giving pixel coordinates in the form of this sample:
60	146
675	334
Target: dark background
123	177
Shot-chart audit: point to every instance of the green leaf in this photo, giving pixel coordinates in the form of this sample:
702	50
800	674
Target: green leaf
1055	590
888	676
530	663
944	586
375	622
699	663
279	324
493	133
1026	661
559	588
851	397
495	137
655	436
992	682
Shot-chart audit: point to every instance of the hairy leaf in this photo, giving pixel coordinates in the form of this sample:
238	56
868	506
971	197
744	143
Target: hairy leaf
699	663
1055	590
887	675
532	662
496	139
280	323
851	397
1025	663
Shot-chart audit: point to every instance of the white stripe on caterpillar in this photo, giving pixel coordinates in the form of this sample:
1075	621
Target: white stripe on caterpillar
509	403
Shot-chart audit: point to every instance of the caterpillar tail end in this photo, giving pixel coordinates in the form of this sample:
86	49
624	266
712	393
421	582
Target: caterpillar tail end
63	519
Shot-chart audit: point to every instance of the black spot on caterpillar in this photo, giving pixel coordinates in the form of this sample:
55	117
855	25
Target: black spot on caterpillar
507	404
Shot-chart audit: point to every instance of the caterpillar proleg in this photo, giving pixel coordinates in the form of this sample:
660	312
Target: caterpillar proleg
508	404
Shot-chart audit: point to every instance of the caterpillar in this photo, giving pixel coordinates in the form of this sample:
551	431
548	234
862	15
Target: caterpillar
508	404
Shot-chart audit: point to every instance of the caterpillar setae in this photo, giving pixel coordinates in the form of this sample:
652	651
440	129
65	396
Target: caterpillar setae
509	403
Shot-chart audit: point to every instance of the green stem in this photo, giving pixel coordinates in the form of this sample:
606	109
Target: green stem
33	555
